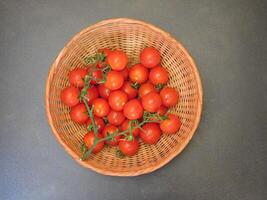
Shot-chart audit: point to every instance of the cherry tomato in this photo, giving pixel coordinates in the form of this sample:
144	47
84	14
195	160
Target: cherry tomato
129	148
97	76
146	88
101	107
109	130
162	110
170	125
106	51
79	113
115	117
117	99
169	96
125	125
89	141
129	90
138	73
158	75
114	80
98	121
117	60
151	101
125	73
133	109
70	96
92	94
103	91
150	57
150	133
76	77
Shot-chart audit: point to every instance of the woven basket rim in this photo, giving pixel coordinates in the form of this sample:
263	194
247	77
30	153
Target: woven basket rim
167	159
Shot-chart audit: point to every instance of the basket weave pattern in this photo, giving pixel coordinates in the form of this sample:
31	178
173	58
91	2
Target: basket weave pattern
131	36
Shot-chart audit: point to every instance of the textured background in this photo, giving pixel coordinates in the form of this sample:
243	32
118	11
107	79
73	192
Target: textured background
226	159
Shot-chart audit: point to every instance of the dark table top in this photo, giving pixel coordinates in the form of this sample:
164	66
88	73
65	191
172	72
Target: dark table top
227	157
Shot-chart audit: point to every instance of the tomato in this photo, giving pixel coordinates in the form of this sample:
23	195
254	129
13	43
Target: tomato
146	88
125	73
151	101
162	110
89	141
129	148
92	94
101	107
150	133
103	91
76	77
169	96
129	90
150	57
133	109
98	121
158	75
79	113
170	125
97	76
114	80
138	73
117	60
115	117
125	125
70	96
106	51
109	130
117	99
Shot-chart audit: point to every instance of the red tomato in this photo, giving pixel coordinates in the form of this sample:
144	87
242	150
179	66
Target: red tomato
79	113
76	77
162	110
170	125
150	133
89	141
92	94
103	91
151	101
98	121
129	148
150	57
129	90
169	96
125	73
109	130
146	88
114	80
158	75
133	109
97	76
101	107
115	117
117	99
106	51
117	60
70	96
125	125
138	73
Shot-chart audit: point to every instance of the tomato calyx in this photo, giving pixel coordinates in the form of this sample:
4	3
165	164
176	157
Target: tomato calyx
95	59
136	85
159	86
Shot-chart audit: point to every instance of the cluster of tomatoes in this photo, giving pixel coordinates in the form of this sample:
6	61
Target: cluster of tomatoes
125	102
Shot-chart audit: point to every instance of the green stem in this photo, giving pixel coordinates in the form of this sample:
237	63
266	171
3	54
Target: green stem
91	116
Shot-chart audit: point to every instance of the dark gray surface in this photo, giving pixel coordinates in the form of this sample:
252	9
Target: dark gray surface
226	158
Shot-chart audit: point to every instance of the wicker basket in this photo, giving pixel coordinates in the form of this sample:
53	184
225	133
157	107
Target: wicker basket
131	36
